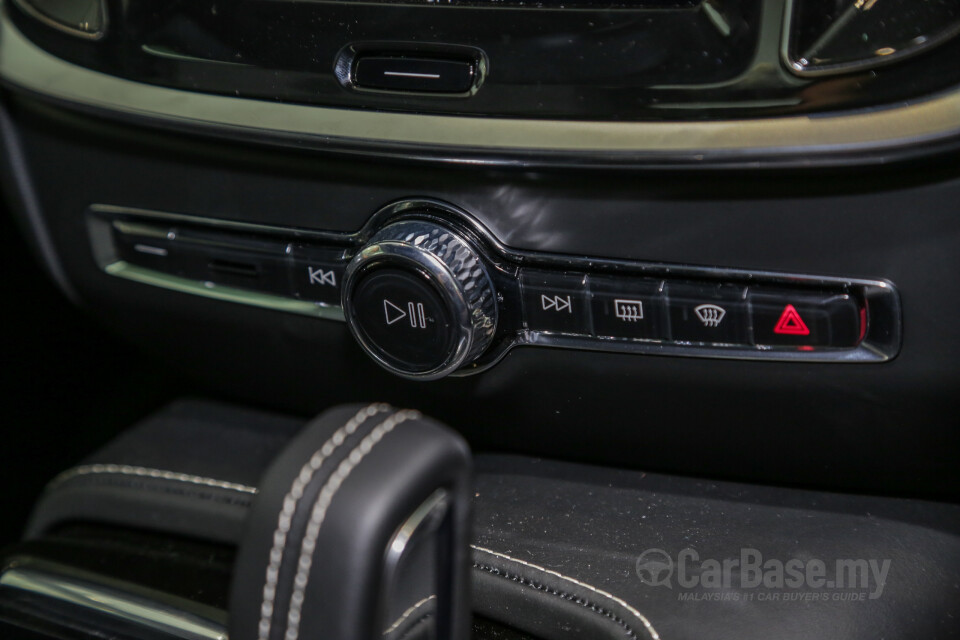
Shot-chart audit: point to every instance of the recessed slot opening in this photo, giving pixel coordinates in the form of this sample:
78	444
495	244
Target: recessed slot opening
235	268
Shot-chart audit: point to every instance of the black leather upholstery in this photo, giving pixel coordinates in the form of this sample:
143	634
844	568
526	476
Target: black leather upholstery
311	562
592	525
190	469
556	546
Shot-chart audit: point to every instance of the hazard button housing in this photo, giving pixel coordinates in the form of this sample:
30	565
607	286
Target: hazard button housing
782	317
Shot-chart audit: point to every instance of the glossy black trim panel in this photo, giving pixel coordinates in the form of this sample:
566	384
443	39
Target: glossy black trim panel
348	60
881	340
67	592
873	137
683	61
883	56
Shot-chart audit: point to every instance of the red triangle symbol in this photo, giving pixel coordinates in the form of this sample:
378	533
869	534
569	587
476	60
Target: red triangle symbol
791	324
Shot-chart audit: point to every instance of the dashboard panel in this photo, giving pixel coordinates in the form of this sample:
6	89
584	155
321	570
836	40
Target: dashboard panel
557	281
734	418
808	209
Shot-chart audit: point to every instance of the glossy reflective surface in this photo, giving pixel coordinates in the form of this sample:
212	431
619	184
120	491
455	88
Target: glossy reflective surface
831	36
711	60
81	18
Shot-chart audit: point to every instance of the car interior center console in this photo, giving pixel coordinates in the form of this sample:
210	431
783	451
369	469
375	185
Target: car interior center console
222	544
424	302
701	254
784	269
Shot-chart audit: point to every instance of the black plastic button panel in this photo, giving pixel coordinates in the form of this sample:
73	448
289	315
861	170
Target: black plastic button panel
698	314
647	309
317	273
628	308
556	302
246	262
708	313
255	263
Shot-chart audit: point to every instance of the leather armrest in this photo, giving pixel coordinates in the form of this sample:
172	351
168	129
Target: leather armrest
559	550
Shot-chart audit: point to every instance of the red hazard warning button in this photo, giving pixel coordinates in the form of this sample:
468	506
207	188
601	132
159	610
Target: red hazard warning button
791	324
782	317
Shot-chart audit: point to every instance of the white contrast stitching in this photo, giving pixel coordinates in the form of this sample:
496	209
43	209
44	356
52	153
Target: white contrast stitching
290	501
319	513
146	472
406	614
646	623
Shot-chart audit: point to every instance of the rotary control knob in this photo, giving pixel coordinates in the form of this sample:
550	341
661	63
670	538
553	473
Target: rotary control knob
419	300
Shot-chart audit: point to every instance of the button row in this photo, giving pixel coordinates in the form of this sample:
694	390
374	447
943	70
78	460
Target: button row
689	312
271	266
596	306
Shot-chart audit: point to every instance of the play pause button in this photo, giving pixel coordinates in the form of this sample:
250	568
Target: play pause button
402	319
414	313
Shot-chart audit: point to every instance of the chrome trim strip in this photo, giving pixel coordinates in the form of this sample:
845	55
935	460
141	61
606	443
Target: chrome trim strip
219	223
426	519
33	12
134	273
160	52
27	66
817	71
113	602
432	509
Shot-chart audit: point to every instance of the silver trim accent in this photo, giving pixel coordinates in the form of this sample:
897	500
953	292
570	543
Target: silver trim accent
218	223
27	66
425	520
409	74
214	291
154	251
84	590
429	512
36	14
169	54
819	71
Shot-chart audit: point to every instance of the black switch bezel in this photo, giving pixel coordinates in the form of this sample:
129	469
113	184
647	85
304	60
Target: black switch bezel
882	329
348	58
